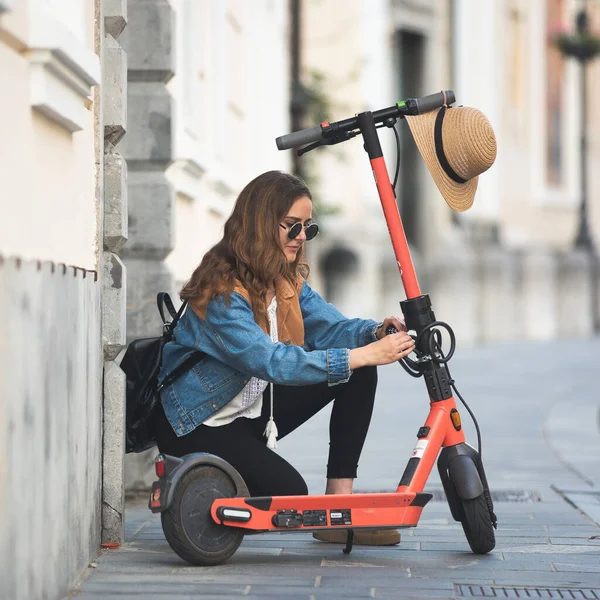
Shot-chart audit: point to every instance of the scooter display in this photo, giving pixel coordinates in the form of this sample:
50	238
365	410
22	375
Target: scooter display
204	503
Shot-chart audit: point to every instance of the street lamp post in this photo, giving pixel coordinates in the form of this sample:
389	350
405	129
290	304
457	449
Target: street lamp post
584	53
584	47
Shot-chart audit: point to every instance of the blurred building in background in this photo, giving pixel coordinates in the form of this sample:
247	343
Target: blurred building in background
130	126
507	268
231	97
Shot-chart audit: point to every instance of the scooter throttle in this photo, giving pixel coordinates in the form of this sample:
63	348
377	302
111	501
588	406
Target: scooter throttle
409	365
391	329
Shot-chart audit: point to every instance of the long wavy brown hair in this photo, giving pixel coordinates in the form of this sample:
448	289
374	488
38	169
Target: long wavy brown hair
250	251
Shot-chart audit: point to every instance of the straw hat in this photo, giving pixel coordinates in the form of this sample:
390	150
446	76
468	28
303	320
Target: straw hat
457	145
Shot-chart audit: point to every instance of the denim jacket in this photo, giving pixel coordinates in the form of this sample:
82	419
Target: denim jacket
238	349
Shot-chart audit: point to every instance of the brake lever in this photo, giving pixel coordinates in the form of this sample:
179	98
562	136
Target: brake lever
310	147
336	139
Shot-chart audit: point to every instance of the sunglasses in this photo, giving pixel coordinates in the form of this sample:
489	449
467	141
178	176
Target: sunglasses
310	230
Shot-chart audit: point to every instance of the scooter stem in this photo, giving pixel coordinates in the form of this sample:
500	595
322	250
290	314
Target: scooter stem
388	202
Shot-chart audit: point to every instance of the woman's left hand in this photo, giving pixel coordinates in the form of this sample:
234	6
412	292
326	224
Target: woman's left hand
395	322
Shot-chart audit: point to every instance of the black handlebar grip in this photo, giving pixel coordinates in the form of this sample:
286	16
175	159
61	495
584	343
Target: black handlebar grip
433	101
299	138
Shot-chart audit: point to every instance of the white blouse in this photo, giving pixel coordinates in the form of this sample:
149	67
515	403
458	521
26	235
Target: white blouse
248	403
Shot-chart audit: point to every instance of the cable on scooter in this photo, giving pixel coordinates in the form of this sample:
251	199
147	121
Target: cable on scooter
413	371
434	345
398	156
437	355
452	384
444	361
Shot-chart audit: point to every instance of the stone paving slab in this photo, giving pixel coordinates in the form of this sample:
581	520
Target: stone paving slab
594	541
585	531
577	566
551	543
587	501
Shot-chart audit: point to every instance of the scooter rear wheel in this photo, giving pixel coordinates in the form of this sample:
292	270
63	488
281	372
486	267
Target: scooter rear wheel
188	525
477	525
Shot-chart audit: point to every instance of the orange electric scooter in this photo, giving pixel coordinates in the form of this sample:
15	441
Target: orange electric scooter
204	503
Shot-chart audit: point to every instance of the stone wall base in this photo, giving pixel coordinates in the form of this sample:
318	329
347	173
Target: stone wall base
50	426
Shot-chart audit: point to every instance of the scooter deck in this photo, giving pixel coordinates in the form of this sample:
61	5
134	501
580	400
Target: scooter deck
334	511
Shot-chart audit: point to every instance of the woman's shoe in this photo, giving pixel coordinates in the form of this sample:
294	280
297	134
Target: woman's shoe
362	537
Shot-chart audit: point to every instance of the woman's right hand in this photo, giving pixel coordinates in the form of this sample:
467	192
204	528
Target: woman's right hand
387	350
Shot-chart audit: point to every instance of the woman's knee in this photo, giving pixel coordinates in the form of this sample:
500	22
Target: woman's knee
275	478
292	484
298	489
365	376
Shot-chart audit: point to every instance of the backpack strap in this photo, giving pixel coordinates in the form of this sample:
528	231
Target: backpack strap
163	299
191	361
171	326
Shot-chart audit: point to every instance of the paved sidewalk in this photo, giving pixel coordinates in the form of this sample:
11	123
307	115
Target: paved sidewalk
537	406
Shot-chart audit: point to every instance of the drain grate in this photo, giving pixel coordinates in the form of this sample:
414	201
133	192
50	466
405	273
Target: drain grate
499	591
512	496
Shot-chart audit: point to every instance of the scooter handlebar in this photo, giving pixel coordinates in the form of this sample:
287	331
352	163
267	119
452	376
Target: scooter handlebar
299	138
412	106
433	101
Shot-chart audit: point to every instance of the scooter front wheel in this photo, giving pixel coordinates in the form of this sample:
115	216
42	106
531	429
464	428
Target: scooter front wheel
477	525
188	525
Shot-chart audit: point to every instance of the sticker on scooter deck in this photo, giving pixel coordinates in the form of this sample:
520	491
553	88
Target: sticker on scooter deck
341	516
314	518
419	449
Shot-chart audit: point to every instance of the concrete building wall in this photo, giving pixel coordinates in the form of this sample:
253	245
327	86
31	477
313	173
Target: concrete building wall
47	162
111	125
62	285
50	427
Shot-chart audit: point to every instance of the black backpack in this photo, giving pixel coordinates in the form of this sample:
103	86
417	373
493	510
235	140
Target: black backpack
141	364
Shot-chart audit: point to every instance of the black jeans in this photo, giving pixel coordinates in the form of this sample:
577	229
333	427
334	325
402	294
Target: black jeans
242	444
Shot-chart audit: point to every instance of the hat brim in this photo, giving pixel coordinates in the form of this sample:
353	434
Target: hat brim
458	196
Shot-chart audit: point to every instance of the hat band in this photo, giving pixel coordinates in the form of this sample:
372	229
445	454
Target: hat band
439	149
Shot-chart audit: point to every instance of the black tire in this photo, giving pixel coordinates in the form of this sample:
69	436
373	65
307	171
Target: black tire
477	525
188	525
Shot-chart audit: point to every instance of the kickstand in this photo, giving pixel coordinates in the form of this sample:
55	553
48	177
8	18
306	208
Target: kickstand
349	540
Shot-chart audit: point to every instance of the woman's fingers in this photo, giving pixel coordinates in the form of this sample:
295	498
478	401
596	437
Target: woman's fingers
394	322
393	347
404	343
408	343
401	324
